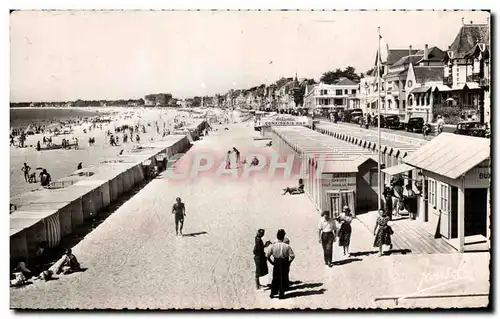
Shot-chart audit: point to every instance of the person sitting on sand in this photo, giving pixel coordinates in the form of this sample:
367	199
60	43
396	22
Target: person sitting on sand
255	161
70	264
45	178
295	190
32	178
46	275
21	274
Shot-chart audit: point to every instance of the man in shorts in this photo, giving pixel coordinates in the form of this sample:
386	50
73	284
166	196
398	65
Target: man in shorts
179	211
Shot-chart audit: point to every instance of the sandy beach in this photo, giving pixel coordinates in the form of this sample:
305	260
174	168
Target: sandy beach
60	163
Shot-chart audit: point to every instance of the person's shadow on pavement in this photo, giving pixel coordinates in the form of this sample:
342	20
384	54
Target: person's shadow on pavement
194	234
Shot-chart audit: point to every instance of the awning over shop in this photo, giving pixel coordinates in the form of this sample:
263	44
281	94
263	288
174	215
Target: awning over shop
398	169
422	89
472	85
451	155
442	88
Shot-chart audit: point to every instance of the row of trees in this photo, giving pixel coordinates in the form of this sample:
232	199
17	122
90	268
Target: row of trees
159	99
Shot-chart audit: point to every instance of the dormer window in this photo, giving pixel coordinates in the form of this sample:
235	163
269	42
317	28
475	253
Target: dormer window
410	83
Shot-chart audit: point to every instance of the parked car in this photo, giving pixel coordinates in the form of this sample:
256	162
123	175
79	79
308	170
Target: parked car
415	124
392	122
374	120
471	128
356	117
347	115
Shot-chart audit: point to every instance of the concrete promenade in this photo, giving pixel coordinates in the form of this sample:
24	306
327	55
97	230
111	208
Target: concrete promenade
134	259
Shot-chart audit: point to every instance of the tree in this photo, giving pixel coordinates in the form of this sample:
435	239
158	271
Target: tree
331	77
370	71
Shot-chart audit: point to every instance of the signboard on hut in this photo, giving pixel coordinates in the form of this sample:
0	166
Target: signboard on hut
340	181
284	120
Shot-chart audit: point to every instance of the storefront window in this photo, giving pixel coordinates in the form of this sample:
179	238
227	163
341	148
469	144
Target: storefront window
444	197
432	192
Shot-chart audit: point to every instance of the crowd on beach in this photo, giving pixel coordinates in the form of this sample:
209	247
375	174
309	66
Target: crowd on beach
37	269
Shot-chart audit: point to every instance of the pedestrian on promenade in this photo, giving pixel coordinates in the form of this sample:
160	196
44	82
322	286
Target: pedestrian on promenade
410	200
327	231
260	258
397	199
26	170
382	232
345	230
80	166
179	211
228	160
283	256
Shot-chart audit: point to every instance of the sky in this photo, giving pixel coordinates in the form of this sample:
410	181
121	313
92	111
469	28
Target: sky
69	55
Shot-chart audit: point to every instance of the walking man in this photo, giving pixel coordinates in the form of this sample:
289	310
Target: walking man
283	256
26	170
327	231
179	211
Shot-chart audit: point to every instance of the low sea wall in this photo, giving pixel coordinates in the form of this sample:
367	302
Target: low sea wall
49	214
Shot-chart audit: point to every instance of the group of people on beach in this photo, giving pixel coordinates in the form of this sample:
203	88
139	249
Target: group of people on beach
21	274
30	177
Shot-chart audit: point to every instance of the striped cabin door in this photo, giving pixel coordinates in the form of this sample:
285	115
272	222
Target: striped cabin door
53	230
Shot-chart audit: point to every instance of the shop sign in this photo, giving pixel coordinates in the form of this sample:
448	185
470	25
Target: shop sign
479	175
339	180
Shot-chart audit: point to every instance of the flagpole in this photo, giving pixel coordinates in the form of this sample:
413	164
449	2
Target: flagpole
379	61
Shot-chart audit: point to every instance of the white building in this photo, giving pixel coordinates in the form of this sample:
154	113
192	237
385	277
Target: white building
343	94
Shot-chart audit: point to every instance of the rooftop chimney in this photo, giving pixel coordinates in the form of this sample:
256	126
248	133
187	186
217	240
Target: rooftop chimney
409	52
426	52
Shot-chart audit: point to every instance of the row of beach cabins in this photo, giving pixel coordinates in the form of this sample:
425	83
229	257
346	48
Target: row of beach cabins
49	214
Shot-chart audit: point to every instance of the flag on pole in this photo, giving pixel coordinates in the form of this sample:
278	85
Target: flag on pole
384	50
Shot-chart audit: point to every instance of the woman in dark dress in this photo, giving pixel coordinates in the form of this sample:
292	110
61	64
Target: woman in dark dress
345	230
382	232
260	258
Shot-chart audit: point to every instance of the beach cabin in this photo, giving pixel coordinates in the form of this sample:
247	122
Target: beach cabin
455	203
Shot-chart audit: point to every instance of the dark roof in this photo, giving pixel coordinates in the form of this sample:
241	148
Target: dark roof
467	37
485	50
434	54
395	55
413	59
345	81
422	89
397	73
428	74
